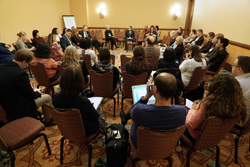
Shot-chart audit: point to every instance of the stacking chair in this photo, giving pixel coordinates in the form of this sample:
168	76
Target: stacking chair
130	80
154	62
116	32
45	38
103	85
218	70
70	124
19	133
14	45
240	132
140	37
42	78
203	43
156	144
120	36
124	60
182	56
213	131
195	80
112	57
3	116
164	40
133	43
99	38
93	34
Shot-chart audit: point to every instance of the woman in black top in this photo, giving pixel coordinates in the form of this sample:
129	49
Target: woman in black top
75	37
104	65
168	60
139	63
109	37
72	84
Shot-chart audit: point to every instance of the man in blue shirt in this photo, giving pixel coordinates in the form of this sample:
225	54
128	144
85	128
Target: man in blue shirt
161	115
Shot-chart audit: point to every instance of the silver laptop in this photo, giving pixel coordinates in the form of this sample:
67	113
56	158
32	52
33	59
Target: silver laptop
140	90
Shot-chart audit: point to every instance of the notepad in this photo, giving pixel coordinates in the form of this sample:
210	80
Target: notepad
96	101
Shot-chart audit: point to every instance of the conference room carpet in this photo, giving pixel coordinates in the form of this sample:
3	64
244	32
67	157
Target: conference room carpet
36	155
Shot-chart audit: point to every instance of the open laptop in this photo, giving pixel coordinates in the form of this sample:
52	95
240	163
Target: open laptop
140	90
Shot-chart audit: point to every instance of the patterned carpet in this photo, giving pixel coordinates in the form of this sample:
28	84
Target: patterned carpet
36	155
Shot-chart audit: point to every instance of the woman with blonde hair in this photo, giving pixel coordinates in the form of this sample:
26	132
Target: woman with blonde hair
223	100
71	57
55	47
20	41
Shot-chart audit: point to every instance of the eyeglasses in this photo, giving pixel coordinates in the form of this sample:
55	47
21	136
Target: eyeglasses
234	65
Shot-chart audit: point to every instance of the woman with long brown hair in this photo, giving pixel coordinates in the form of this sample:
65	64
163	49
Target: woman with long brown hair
139	63
193	59
223	100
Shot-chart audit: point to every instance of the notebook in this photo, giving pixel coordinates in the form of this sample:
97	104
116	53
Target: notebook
140	90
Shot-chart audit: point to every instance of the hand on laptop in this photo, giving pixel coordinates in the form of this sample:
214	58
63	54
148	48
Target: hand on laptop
149	91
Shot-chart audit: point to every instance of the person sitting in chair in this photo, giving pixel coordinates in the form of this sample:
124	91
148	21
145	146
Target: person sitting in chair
129	36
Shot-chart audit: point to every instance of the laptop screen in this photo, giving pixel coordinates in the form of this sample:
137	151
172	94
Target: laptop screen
140	90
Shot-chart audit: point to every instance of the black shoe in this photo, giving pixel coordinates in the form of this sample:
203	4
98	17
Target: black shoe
112	48
123	120
50	123
116	47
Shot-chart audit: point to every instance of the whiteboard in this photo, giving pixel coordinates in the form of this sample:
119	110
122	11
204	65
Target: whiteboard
69	21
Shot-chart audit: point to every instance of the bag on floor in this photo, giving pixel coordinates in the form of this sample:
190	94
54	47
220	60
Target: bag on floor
117	145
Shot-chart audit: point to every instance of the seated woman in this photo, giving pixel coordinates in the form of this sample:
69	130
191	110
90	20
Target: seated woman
56	32
43	55
168	60
139	63
151	32
20	42
71	57
191	37
69	97
223	100
179	48
36	38
104	65
75	36
109	37
158	32
209	44
85	44
193	59
55	47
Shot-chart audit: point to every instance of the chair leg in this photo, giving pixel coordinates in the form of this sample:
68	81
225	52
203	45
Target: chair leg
185	96
12	158
46	142
61	152
169	161
114	105
188	156
90	154
217	156
122	103
236	142
135	160
118	97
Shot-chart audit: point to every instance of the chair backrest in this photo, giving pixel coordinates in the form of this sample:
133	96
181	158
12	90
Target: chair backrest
60	69
140	37
14	45
157	144
124	60
98	36
246	128
197	77
130	80
116	33
102	83
93	34
182	56
39	71
120	35
164	40
69	123
153	61
87	60
112	57
222	64
203	43
136	34
3	116
213	131
45	38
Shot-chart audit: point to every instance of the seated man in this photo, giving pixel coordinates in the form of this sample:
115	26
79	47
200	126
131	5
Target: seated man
5	53
161	115
17	97
172	35
129	35
85	33
199	40
192	36
216	61
150	49
66	39
241	69
179	47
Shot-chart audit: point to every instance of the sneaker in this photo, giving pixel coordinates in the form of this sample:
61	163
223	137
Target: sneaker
178	147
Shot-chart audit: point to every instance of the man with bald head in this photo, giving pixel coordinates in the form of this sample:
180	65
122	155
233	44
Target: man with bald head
150	49
161	115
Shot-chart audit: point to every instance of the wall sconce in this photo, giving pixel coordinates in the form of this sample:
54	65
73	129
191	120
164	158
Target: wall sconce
102	10
175	11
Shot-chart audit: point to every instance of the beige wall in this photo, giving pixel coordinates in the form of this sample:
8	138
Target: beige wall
230	17
78	8
137	13
27	15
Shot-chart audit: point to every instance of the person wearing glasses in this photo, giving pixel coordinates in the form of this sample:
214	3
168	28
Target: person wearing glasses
241	71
